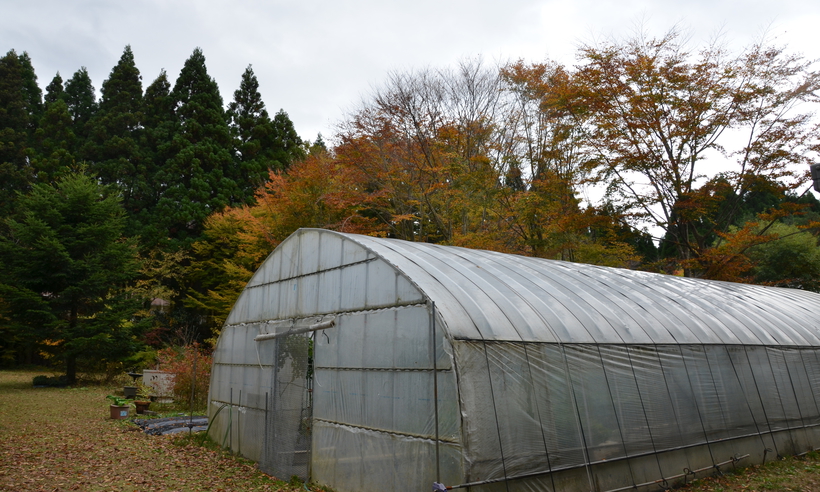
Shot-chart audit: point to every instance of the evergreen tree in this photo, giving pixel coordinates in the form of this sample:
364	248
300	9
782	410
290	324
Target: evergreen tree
31	93
55	139
114	131
250	128
287	145
159	122
66	273
199	178
55	90
260	145
82	102
15	123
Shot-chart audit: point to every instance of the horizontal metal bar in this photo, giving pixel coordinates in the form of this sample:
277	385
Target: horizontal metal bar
241	365
383	369
295	331
681	475
374	309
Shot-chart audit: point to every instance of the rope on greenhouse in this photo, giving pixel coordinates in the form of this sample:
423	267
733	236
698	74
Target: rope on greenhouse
643	406
615	410
780	397
495	413
760	399
714	385
697	407
794	390
538	412
811	387
577	416
748	405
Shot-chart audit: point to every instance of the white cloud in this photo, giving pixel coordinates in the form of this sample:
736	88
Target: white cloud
314	58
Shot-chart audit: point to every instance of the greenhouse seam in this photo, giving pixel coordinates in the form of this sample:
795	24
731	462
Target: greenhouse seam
382	431
312	273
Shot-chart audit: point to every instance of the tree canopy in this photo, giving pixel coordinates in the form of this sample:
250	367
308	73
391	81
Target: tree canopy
645	154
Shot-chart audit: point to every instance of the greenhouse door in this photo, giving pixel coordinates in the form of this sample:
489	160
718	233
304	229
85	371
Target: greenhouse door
290	409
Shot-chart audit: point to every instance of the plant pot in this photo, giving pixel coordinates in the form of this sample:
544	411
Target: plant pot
119	412
142	406
130	392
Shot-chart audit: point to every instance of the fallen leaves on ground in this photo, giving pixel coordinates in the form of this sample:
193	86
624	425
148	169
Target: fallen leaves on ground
62	439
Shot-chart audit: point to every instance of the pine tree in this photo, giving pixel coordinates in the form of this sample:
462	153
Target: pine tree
31	93
198	178
251	130
54	140
82	102
66	273
55	90
114	131
261	144
15	123
159	122
287	146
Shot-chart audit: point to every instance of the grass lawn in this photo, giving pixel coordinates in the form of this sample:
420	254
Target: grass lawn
55	439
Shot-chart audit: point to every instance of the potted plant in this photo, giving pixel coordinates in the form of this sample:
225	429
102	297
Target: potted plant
119	407
143	399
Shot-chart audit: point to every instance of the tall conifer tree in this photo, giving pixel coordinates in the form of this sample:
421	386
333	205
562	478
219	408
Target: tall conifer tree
260	145
54	144
15	124
82	102
114	132
287	146
199	177
159	122
55	90
31	93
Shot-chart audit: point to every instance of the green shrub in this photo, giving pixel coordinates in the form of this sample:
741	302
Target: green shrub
50	381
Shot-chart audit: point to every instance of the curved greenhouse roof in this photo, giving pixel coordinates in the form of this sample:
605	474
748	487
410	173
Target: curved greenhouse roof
484	295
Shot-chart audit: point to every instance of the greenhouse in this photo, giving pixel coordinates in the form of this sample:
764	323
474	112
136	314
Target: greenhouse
371	364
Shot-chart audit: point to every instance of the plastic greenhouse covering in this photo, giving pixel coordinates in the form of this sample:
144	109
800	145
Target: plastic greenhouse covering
376	364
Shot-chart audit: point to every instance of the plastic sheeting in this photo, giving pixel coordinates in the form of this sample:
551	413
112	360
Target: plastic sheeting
484	295
558	407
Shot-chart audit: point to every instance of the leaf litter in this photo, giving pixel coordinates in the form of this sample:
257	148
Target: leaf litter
62	439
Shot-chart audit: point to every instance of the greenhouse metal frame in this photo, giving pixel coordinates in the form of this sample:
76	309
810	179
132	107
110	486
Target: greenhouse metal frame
368	364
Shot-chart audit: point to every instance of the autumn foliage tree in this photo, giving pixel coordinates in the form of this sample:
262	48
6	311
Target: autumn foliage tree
661	118
317	191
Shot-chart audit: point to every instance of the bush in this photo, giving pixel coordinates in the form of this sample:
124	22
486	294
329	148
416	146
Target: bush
46	381
180	362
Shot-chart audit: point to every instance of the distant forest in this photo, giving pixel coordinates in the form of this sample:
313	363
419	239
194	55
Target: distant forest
133	222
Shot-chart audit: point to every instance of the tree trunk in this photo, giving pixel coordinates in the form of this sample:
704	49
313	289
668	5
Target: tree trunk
71	359
71	369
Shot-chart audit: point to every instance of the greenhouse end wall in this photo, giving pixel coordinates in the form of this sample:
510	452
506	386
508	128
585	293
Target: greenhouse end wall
368	405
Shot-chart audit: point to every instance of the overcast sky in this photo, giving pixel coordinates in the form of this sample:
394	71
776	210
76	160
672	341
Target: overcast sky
316	59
